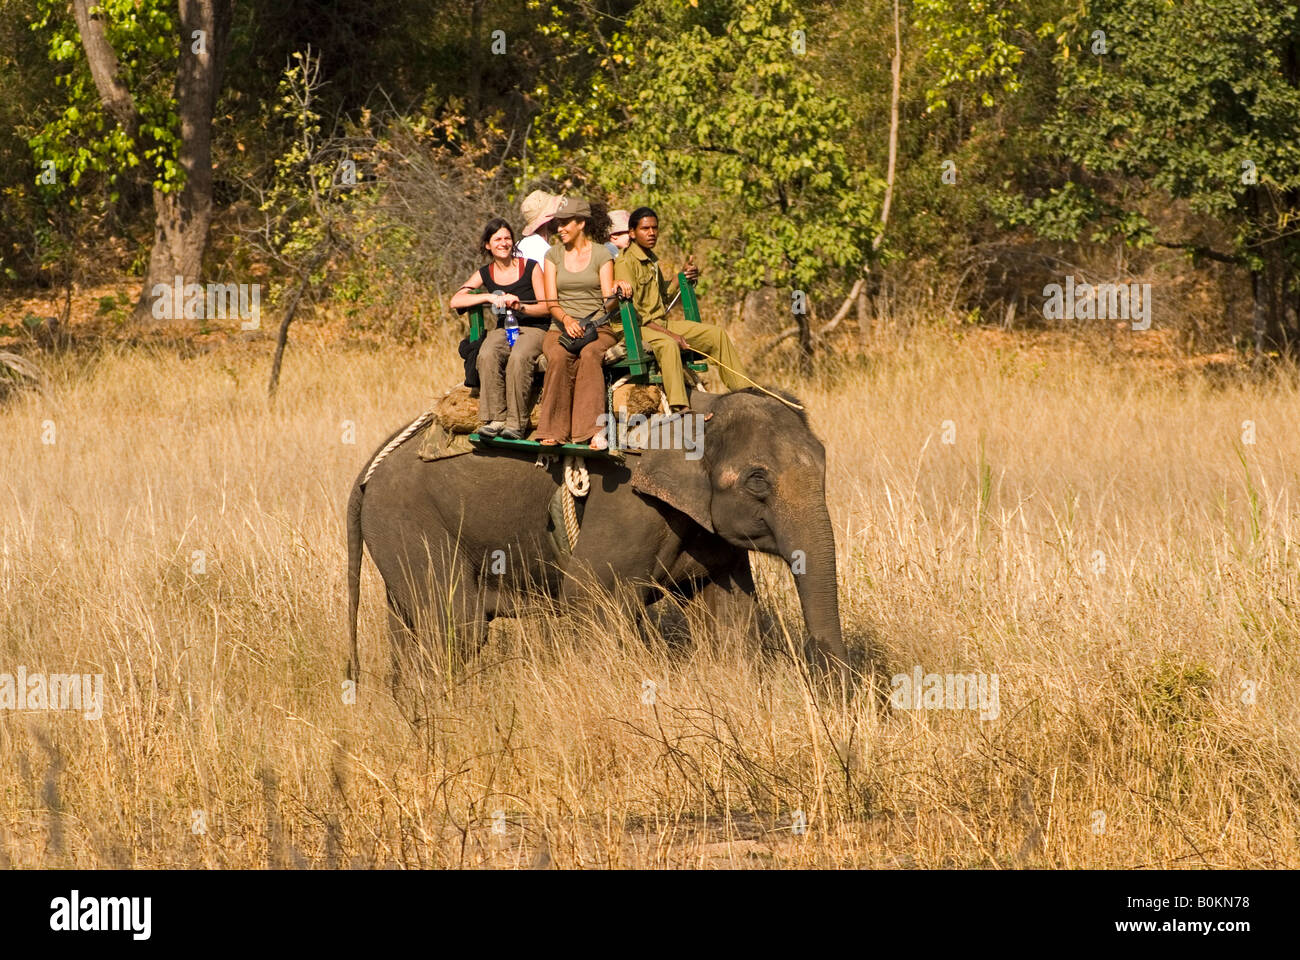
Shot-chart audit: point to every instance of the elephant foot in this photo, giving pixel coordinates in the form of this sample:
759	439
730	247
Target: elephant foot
829	665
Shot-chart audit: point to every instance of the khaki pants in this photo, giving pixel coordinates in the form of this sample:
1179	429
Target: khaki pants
705	337
506	375
573	393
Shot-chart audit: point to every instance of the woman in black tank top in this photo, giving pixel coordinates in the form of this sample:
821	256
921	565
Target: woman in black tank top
508	283
518	293
505	370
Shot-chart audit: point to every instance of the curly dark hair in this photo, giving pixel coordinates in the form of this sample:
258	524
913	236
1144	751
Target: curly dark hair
598	225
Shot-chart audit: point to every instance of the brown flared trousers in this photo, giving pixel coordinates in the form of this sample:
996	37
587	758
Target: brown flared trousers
573	393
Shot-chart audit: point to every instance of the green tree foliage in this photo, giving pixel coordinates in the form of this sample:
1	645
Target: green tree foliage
28	77
986	76
1200	101
83	138
1187	96
719	121
580	88
973	43
764	148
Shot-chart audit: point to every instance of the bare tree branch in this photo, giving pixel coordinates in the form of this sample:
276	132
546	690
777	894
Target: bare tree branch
893	132
834	322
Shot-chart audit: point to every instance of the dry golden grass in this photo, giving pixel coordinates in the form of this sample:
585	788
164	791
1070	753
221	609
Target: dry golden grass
1121	686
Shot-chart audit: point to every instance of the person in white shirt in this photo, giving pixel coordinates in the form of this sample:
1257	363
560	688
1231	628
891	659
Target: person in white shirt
538	209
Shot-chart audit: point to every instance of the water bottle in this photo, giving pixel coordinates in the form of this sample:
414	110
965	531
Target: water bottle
512	328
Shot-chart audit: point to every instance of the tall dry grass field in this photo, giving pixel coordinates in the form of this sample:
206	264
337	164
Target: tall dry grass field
1097	534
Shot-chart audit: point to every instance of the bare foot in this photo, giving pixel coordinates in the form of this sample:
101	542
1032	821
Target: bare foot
548	442
599	442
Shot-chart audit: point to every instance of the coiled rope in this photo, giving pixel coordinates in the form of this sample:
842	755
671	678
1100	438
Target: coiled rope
576	478
577	483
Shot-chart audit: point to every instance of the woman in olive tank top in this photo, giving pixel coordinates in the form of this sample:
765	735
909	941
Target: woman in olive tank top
579	280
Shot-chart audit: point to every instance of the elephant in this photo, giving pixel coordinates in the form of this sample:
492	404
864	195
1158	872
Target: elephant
461	540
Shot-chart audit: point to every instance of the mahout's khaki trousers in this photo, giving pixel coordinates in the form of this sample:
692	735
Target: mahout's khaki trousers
705	337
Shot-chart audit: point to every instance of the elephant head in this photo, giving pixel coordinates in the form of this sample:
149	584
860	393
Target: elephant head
760	485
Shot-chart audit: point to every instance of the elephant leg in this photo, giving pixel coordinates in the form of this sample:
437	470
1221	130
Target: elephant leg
667	615
584	582
462	625
661	624
402	643
730	609
474	614
597	591
449	620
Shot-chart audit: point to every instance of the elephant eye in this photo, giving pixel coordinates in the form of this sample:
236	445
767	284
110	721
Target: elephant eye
756	482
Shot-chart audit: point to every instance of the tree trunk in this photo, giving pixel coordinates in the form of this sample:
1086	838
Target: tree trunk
874	292
1259	312
182	217
804	321
1269	335
475	65
1287	315
102	60
896	69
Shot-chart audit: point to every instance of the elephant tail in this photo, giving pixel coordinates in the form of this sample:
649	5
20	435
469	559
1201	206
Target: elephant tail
356	550
356	546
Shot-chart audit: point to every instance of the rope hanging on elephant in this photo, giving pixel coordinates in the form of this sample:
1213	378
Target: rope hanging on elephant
577	483
411	429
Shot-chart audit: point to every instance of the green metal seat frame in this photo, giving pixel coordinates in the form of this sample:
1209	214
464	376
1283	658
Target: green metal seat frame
639	366
477	326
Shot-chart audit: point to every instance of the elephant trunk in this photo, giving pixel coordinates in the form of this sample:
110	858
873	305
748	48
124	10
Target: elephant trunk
808	544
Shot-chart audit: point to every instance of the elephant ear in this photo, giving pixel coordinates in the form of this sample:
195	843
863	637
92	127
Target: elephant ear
682	484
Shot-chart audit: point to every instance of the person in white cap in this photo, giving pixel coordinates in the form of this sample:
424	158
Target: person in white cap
619	235
538	209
